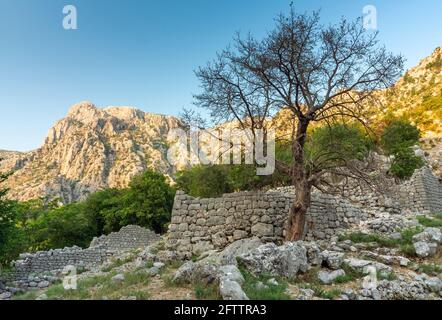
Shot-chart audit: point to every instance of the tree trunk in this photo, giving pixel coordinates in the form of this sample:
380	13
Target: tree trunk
298	212
297	216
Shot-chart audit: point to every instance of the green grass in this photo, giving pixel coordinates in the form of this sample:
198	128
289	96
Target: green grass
98	287
359	237
321	292
344	279
405	244
408	250
207	291
117	263
431	269
269	292
30	295
389	276
435	221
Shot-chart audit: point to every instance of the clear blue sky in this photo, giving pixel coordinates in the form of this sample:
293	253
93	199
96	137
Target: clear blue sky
143	53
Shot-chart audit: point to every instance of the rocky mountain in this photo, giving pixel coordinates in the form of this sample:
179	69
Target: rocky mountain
95	148
88	150
417	97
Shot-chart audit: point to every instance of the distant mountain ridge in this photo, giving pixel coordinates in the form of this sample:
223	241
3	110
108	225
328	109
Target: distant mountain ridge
88	150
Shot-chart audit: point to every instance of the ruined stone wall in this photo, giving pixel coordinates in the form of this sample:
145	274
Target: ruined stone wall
129	237
422	193
199	225
54	261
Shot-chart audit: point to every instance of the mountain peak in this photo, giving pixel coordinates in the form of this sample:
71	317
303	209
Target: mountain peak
82	110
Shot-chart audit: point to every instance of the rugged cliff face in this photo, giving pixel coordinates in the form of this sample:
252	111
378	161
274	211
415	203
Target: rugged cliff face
417	97
91	149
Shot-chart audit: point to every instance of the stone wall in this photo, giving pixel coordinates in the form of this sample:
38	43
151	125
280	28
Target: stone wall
199	225
129	237
422	193
54	261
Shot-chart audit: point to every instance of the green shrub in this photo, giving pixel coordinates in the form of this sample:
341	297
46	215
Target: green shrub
41	225
332	146
435	222
405	163
397	139
11	237
267	292
204	181
61	227
148	202
399	135
207	291
431	269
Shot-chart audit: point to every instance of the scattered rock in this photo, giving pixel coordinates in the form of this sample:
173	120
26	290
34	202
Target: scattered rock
283	261
118	278
231	290
231	272
333	259
230	253
329	277
425	249
429	235
43	284
362	265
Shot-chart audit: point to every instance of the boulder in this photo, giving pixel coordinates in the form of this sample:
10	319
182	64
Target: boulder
362	265
283	261
231	290
230	253
326	277
184	273
43	284
231	272
425	249
333	259
314	256
429	235
118	278
192	272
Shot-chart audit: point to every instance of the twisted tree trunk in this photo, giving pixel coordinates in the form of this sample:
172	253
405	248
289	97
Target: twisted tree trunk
297	216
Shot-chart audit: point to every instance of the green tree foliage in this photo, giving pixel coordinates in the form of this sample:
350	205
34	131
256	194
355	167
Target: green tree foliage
10	235
104	206
399	134
335	145
405	163
214	180
41	225
204	181
148	202
397	139
61	227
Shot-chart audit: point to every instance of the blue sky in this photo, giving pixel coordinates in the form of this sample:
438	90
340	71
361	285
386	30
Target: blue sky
142	53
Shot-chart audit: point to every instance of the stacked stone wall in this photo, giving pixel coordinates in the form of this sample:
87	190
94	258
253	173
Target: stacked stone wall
199	225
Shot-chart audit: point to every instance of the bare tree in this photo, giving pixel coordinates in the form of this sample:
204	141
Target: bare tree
318	73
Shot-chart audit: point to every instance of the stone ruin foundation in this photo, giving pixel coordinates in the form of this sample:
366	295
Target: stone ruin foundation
200	225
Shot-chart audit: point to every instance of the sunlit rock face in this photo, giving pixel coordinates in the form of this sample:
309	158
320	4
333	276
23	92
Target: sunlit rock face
91	149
